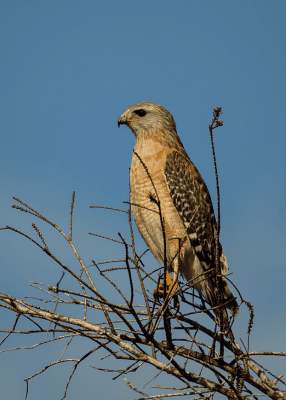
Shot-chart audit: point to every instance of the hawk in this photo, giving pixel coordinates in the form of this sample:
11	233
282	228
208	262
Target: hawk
162	173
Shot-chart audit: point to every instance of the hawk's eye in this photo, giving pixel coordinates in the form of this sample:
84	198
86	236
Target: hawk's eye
140	112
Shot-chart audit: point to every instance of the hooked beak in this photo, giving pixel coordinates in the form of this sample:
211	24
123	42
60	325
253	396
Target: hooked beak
122	121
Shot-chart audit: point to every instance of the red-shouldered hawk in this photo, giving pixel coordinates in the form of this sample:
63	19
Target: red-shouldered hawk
185	201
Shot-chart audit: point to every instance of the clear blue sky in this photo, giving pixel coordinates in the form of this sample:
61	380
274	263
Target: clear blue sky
68	70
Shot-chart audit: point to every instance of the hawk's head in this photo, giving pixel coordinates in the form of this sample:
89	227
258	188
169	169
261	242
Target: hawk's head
147	118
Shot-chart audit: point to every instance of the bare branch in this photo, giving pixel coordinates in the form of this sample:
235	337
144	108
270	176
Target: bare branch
144	330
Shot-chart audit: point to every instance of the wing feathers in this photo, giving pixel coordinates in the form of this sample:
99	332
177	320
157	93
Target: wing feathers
193	203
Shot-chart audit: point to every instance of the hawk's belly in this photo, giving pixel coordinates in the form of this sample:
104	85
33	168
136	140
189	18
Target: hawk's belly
149	194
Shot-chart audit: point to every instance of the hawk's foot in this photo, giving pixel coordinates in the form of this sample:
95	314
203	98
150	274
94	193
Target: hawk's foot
159	289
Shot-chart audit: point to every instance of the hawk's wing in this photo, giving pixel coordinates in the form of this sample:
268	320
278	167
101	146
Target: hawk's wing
193	203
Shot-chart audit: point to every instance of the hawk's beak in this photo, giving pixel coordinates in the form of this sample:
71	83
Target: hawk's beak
121	121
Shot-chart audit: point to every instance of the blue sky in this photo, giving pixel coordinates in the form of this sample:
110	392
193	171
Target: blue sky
68	70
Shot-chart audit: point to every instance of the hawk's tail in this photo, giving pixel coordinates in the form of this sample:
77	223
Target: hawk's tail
228	297
221	314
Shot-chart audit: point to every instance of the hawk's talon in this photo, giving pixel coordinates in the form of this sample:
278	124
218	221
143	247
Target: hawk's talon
159	289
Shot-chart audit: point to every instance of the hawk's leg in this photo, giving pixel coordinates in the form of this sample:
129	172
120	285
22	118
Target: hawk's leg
171	286
175	283
159	289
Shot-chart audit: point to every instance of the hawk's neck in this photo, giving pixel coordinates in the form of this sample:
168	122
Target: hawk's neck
162	138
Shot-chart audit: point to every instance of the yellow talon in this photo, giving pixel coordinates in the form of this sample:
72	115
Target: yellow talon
159	290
